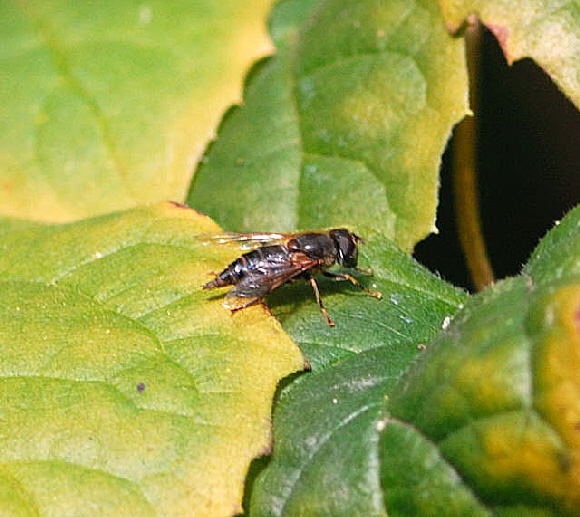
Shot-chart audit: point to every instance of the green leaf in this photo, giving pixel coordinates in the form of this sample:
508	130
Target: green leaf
413	306
353	112
557	256
124	388
109	105
483	422
325	460
498	392
474	397
547	31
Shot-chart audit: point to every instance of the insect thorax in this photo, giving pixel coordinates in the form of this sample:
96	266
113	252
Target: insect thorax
318	246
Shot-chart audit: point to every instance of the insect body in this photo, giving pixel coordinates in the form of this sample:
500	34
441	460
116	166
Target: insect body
287	258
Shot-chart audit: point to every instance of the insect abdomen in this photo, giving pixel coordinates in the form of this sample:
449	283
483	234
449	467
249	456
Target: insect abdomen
256	262
231	275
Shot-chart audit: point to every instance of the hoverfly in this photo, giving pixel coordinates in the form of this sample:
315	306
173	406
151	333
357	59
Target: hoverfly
281	258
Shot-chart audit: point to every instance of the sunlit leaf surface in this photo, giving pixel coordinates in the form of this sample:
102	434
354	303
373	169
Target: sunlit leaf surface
124	388
547	31
106	105
345	125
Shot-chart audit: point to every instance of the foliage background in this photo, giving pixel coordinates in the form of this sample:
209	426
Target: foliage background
106	328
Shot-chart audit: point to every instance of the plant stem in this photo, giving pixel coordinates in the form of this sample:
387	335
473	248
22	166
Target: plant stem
465	171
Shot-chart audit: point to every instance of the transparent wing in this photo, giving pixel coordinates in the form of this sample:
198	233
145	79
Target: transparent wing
247	240
257	237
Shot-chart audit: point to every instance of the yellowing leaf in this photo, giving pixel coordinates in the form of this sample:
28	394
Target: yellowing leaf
107	105
548	32
125	389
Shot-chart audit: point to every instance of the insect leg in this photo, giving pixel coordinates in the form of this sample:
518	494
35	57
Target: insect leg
321	306
353	281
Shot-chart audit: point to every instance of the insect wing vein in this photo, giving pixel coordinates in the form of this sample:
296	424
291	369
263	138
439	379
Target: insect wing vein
249	240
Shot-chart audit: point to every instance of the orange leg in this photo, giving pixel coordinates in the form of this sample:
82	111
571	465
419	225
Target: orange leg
322	308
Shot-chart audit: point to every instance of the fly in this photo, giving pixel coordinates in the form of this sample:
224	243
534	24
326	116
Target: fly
282	258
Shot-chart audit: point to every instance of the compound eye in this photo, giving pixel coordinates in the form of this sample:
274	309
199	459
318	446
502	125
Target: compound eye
347	249
350	255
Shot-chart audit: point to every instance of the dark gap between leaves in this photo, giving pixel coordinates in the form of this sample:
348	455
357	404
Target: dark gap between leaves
528	161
